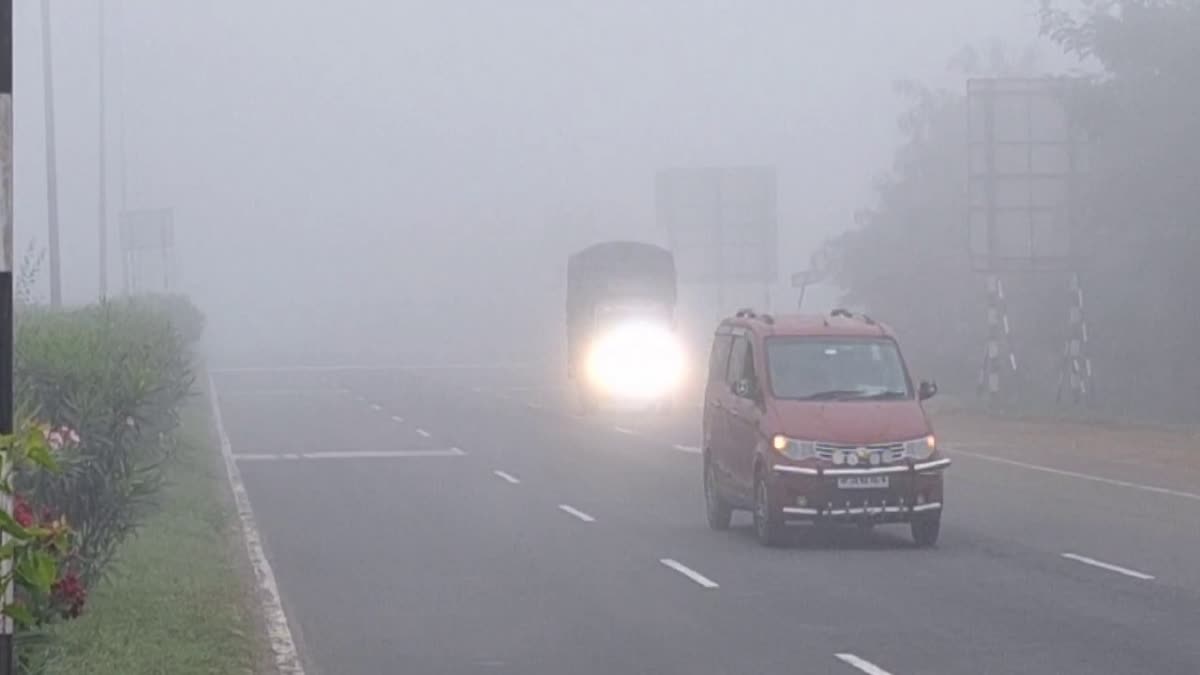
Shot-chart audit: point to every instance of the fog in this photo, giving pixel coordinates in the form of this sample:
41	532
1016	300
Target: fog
379	180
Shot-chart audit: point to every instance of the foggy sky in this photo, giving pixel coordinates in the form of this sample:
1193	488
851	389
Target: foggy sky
336	167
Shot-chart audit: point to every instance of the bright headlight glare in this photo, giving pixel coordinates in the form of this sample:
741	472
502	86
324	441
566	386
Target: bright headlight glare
636	360
922	448
793	449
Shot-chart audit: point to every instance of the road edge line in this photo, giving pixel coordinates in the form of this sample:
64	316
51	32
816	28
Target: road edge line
279	633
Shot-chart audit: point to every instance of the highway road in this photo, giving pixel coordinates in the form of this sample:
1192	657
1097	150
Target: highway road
461	519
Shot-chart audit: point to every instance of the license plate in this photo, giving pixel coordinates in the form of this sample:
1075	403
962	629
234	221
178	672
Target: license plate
862	482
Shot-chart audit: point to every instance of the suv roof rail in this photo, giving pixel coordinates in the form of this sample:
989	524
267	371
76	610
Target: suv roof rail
749	313
851	315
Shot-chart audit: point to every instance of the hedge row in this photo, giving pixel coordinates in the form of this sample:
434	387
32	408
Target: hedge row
103	387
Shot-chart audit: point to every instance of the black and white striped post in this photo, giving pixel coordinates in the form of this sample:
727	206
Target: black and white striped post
998	356
6	292
1076	372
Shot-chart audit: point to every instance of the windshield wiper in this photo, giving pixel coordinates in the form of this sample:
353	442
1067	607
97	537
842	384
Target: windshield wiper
833	394
883	395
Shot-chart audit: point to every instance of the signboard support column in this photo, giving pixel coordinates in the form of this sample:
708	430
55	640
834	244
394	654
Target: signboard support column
1076	373
999	359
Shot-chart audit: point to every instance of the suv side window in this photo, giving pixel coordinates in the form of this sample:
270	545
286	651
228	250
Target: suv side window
737	360
722	344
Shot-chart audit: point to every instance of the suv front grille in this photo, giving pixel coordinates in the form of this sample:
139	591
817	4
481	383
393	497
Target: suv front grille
890	453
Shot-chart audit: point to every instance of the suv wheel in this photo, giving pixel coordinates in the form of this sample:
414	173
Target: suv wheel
768	520
720	513
925	530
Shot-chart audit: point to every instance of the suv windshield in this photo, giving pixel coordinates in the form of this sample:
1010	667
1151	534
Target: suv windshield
816	369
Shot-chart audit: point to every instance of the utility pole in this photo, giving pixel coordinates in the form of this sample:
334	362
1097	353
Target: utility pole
51	162
121	159
6	302
103	188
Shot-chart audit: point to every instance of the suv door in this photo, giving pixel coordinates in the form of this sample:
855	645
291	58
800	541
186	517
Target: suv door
742	416
716	394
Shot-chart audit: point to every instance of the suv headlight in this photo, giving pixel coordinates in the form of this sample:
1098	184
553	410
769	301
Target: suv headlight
794	449
921	449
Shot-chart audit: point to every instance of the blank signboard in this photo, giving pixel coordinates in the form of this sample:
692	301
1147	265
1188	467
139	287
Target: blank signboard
1024	158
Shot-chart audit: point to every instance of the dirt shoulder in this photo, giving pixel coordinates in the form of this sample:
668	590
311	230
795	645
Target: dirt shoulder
1133	452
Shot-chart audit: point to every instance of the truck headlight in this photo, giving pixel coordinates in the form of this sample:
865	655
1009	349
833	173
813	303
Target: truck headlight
642	360
794	449
921	449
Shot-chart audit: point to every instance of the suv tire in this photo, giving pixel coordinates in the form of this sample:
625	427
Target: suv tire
720	513
925	530
768	519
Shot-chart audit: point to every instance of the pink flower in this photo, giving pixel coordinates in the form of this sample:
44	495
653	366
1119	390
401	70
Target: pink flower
55	439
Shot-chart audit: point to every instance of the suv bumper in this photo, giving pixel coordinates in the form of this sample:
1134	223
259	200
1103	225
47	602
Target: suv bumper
813	494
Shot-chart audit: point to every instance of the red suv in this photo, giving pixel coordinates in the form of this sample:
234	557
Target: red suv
816	419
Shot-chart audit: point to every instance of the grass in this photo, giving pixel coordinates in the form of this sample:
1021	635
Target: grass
177	601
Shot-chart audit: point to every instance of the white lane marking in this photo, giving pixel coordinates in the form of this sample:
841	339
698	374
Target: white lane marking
350	454
1076	474
862	664
477	390
507	477
623	430
283	646
360	398
1106	566
376	407
398	419
689	573
370	368
258	457
279	392
577	513
423	434
688	448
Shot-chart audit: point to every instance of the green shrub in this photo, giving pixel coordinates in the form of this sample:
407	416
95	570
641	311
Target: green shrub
117	373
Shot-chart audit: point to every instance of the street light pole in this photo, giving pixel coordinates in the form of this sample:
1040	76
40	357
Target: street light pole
103	187
51	162
6	298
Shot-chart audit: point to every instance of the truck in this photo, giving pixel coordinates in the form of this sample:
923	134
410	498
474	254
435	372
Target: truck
620	310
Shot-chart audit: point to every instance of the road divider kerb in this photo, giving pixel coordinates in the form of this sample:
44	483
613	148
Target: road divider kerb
279	635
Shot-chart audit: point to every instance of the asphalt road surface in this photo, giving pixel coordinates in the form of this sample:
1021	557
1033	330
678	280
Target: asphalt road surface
461	520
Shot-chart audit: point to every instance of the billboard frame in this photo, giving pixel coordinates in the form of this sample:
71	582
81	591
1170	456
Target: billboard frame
986	209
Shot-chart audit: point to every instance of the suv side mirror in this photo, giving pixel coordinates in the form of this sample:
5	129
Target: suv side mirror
744	388
927	390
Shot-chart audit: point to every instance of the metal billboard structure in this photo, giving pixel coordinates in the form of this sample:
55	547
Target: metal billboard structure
1026	158
147	240
721	223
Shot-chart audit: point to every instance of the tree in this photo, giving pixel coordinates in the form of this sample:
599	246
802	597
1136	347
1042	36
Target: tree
1143	231
908	259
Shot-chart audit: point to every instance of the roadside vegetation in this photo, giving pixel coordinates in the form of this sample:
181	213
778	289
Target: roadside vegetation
123	560
1137	101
